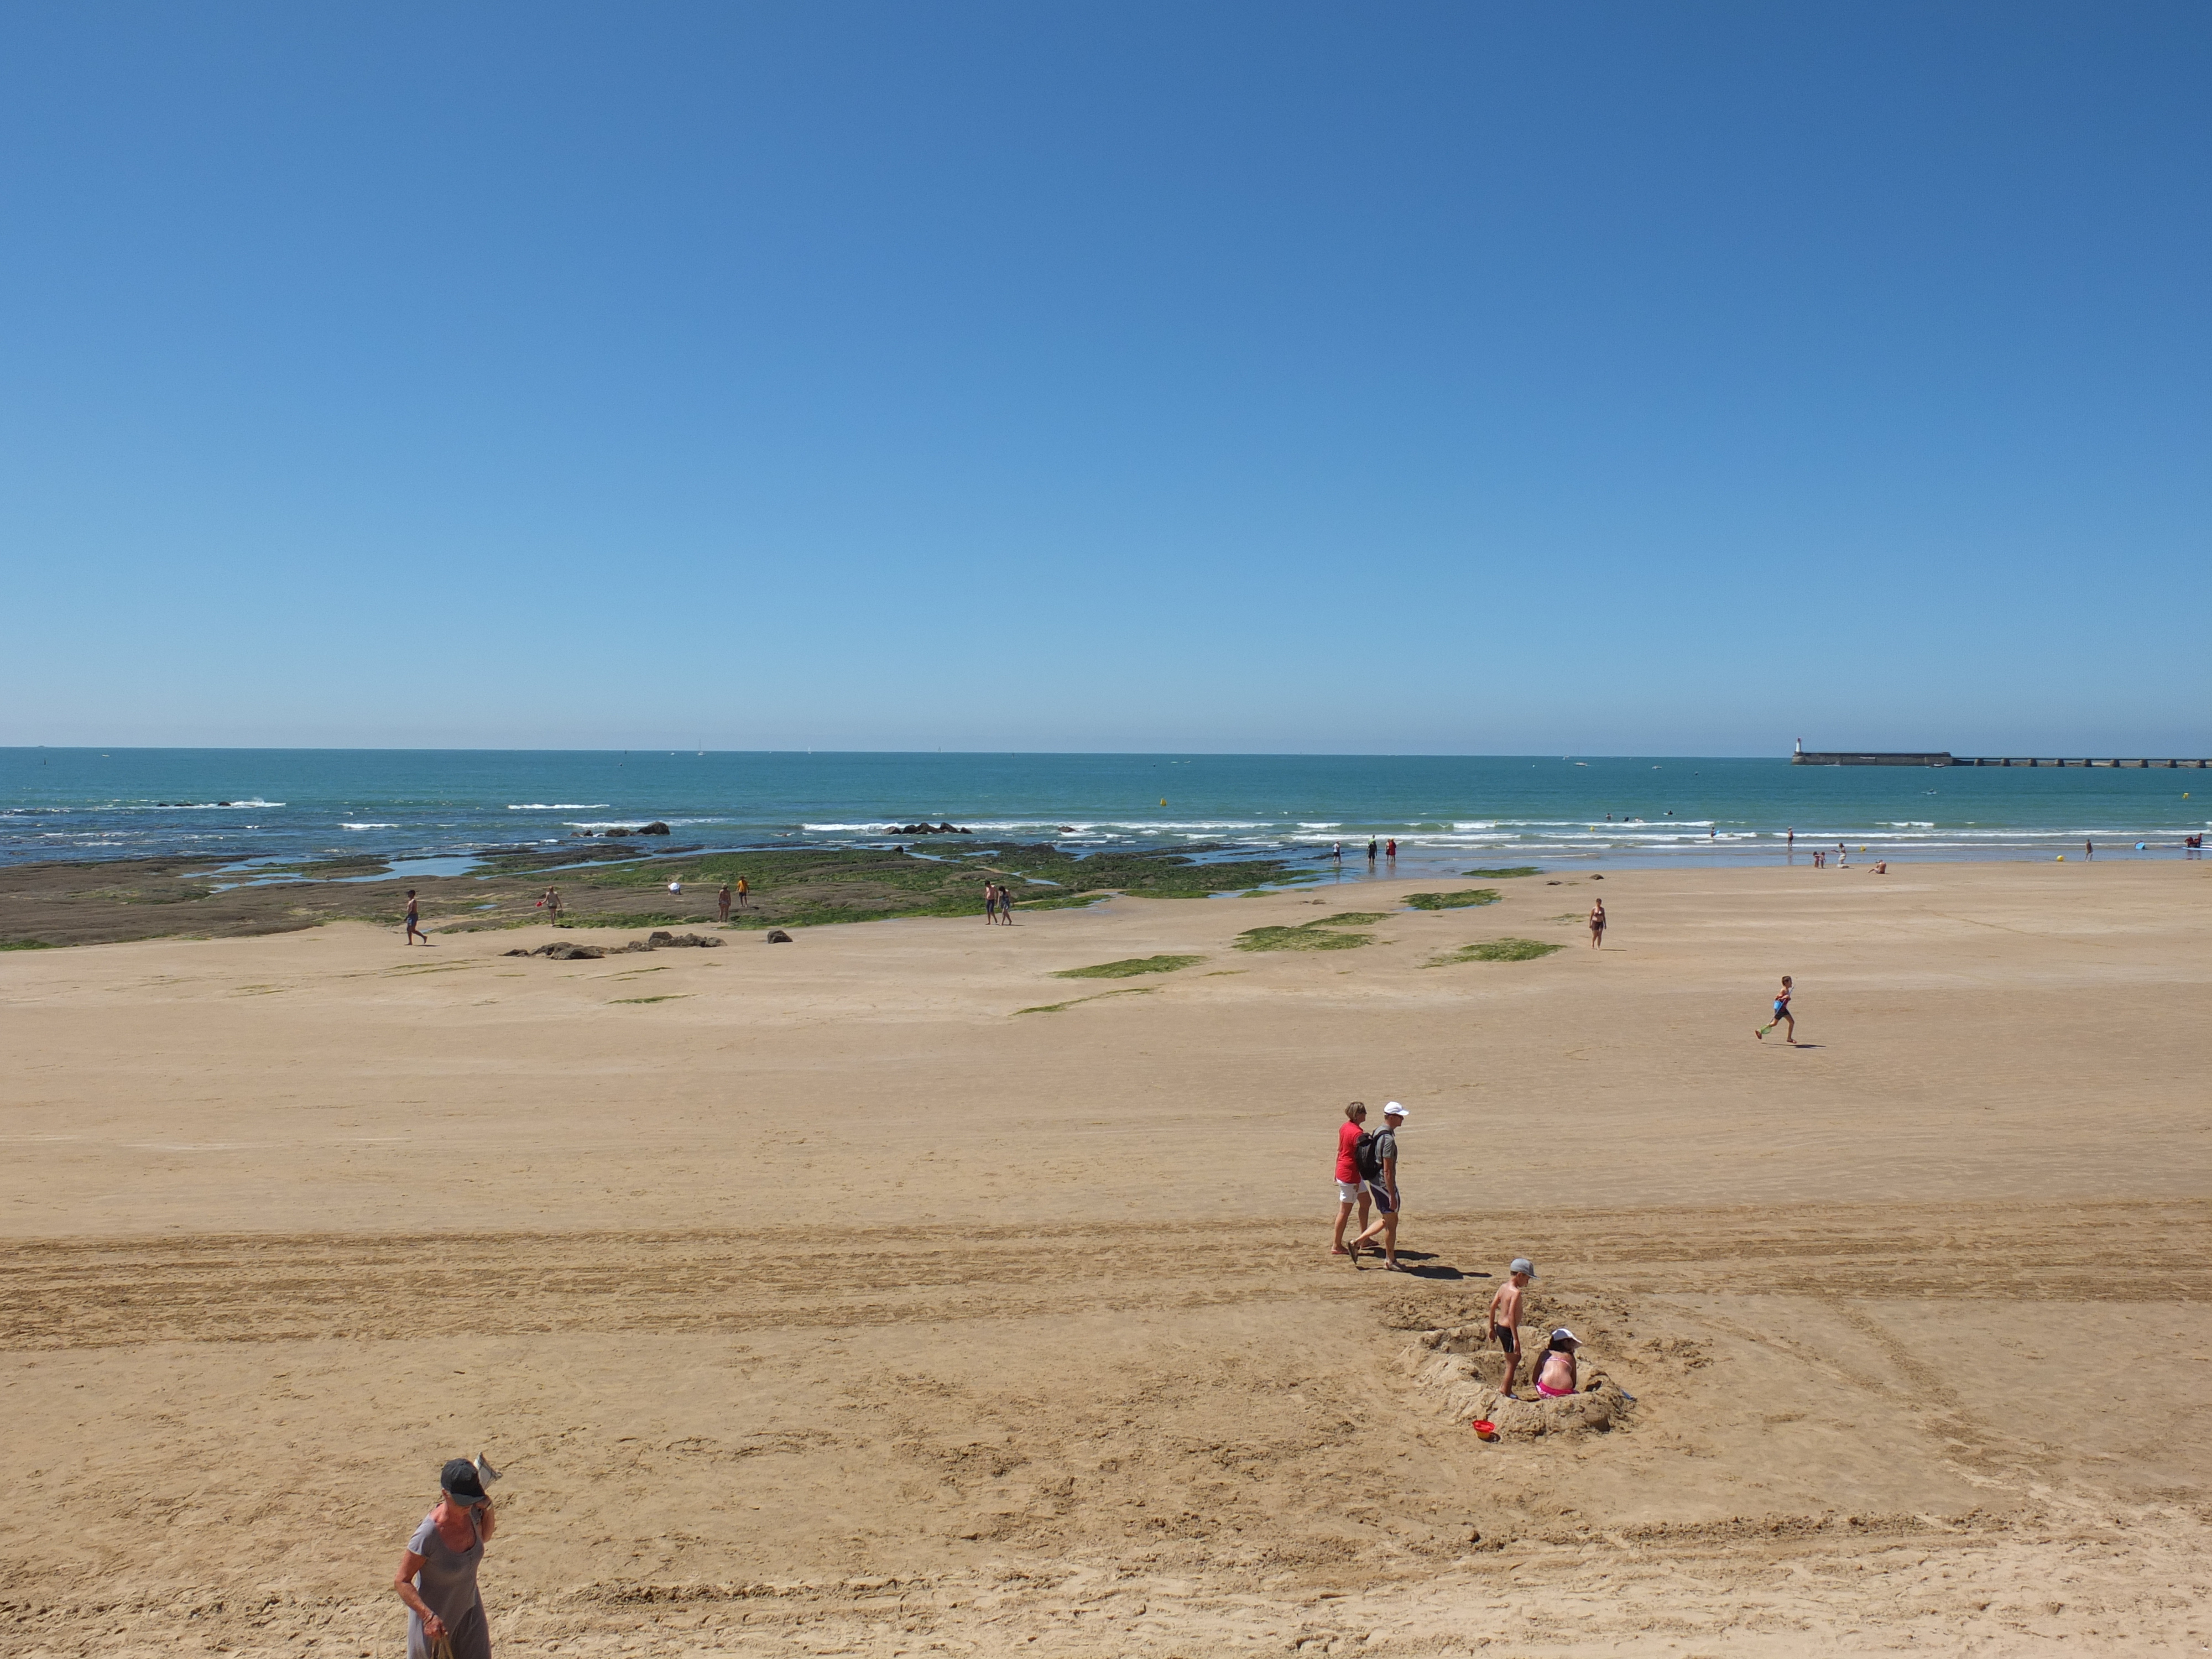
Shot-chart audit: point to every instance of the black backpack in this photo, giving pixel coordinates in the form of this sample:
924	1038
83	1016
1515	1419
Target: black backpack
1365	1159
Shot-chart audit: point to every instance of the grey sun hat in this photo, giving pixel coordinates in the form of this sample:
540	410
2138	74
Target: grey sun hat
1521	1264
460	1481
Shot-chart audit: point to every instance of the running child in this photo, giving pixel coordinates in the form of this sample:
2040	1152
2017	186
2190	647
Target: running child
1782	1014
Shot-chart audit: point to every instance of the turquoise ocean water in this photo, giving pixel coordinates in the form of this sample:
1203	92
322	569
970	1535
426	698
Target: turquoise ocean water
1444	810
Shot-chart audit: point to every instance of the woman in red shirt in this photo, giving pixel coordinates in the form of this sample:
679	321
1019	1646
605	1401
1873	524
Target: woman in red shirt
1350	1189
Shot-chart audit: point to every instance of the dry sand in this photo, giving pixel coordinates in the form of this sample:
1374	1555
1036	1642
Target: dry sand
818	1302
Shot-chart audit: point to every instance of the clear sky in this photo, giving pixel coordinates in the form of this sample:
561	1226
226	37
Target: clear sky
1450	377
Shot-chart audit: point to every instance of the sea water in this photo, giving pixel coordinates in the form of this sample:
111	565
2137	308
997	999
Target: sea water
1444	811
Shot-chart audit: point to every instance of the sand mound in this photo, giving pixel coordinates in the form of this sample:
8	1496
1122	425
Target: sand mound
1458	1362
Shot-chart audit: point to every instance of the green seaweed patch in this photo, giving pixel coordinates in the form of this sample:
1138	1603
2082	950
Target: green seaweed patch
1055	1007
24	945
673	996
1062	902
1503	875
1348	919
1497	950
1459	901
1129	968
1314	936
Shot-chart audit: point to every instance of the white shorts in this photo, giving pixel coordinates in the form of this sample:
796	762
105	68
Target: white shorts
1351	1192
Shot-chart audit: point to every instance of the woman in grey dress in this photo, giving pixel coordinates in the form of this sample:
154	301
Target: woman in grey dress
437	1577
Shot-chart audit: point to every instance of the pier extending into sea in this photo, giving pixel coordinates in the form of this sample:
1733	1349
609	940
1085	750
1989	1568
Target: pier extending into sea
1903	758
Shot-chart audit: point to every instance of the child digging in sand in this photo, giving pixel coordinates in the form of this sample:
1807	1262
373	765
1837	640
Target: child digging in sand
1505	1319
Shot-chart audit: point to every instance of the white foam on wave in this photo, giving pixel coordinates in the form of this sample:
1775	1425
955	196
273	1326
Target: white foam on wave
367	826
557	806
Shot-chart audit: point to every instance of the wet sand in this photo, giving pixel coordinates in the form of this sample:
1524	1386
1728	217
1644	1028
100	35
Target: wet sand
818	1300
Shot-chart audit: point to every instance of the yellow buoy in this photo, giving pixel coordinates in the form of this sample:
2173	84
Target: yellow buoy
1164	800
2062	858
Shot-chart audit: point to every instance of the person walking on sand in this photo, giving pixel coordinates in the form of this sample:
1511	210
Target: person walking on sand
1781	1015
1597	923
722	903
1382	1187
552	903
437	1576
990	902
414	921
1350	1190
1505	1319
2088	849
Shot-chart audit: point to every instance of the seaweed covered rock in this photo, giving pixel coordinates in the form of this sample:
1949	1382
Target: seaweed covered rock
562	950
777	936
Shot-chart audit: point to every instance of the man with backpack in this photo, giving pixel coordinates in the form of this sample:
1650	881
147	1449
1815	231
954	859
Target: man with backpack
1351	1185
1376	1155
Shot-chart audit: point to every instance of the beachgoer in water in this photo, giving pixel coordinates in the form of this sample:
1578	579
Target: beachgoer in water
414	920
1382	1188
1351	1190
437	1577
2088	849
1391	851
722	903
1597	923
1782	1014
1505	1319
1557	1374
1792	843
1373	847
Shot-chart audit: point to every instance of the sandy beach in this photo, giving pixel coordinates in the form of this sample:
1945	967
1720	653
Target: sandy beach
816	1298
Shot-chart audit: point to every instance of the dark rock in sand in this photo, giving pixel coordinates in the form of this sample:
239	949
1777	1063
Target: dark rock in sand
656	828
562	950
777	936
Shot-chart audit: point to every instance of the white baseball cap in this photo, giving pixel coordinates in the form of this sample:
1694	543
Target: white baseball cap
1394	1109
1563	1334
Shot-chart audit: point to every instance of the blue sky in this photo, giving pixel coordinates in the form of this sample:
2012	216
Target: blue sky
1436	378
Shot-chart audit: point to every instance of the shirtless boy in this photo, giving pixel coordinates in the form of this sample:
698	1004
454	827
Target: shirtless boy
1782	1014
1505	1319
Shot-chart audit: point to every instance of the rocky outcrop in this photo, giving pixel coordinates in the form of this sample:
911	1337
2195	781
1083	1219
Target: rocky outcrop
926	829
563	950
656	828
777	936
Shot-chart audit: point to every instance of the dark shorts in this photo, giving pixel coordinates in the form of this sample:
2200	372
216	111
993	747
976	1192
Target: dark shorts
1381	1194
1506	1338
